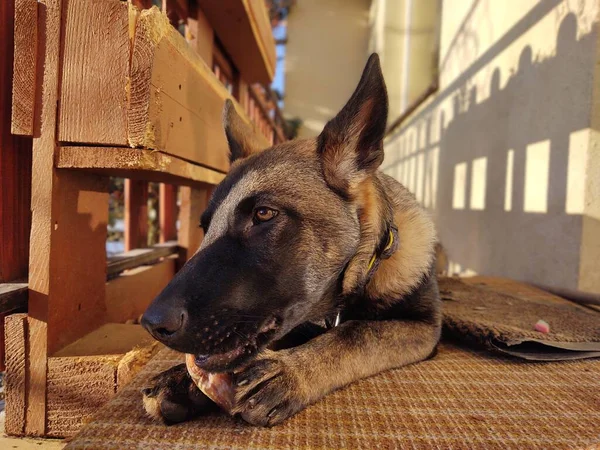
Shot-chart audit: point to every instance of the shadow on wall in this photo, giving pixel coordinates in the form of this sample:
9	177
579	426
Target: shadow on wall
505	180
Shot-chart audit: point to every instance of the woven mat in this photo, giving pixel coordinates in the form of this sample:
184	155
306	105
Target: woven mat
460	399
500	314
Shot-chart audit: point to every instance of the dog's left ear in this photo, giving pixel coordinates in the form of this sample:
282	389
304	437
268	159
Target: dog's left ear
351	144
240	136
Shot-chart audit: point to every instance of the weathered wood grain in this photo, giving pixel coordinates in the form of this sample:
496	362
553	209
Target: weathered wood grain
95	73
15	336
24	66
176	101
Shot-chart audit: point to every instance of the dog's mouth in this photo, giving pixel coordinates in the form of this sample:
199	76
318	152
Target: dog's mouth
242	353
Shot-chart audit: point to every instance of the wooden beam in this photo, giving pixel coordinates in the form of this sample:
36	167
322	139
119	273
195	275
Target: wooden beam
128	295
250	42
176	100
167	211
140	256
24	66
136	214
95	75
136	164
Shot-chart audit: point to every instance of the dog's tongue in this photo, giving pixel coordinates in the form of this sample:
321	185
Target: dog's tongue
216	386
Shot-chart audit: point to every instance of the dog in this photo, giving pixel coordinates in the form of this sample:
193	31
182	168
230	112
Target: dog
304	232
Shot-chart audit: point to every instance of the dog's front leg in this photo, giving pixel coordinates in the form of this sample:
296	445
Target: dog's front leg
279	384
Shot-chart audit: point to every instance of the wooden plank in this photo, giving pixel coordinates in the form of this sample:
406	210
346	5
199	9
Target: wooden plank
13	296
24	65
95	75
128	295
176	100
86	374
136	214
140	256
134	361
167	210
136	164
193	204
15	160
250	42
15	378
77	387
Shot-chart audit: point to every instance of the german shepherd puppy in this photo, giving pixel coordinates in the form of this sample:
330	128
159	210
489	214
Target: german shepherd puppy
303	231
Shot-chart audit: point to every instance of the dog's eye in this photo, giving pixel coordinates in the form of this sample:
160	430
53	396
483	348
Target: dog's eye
264	214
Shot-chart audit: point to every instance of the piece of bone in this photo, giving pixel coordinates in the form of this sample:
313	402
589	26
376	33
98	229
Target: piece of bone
216	386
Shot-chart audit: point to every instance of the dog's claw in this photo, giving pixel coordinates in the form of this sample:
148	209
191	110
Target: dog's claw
269	391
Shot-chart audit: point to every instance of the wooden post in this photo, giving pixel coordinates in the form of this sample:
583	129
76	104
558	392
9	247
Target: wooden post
167	207
136	214
68	234
193	203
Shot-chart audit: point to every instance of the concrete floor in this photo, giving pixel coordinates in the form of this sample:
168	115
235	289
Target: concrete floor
7	442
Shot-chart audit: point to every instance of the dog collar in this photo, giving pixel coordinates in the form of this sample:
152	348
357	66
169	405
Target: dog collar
387	246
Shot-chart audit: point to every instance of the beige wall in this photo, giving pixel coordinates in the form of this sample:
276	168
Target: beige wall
325	54
506	154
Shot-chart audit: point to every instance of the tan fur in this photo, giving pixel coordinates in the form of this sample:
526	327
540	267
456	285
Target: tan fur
152	406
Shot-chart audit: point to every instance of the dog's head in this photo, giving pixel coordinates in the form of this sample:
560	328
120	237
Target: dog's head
279	232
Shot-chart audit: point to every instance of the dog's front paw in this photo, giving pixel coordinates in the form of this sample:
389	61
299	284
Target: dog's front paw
173	397
269	390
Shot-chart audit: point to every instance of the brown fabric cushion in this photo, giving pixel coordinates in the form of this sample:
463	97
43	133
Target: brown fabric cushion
462	398
501	314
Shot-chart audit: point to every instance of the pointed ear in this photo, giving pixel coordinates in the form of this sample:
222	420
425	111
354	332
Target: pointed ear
351	144
240	136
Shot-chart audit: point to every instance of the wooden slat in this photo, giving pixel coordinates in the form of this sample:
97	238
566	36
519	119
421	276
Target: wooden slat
250	42
95	74
176	100
128	295
140	256
167	206
15	379
15	156
136	163
136	214
13	296
24	66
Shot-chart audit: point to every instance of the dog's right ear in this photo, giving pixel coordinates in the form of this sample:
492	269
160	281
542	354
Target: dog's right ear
240	136
351	144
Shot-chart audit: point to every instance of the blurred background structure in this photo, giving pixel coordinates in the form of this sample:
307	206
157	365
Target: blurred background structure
493	124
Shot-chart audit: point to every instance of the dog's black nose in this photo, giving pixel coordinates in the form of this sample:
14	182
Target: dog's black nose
164	323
